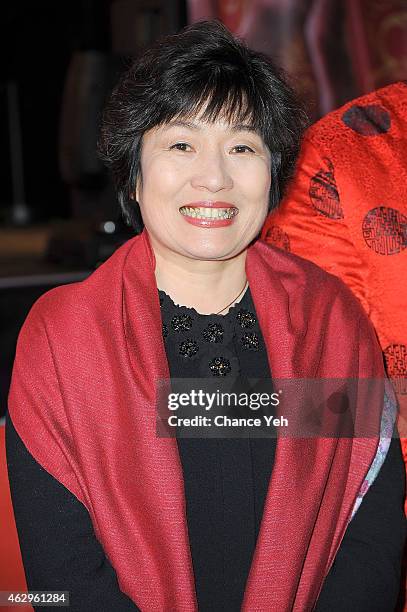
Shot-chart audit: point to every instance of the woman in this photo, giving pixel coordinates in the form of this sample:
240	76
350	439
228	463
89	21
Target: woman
201	133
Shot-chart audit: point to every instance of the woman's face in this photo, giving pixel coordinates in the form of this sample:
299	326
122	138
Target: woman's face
205	188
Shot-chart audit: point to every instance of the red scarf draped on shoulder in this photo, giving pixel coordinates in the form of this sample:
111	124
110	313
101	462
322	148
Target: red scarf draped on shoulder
83	401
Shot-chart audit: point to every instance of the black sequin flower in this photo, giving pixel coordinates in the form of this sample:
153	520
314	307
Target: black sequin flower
181	322
245	318
188	348
250	340
165	330
213	333
220	366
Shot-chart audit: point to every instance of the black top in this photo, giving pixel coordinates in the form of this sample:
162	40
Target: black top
225	480
226	483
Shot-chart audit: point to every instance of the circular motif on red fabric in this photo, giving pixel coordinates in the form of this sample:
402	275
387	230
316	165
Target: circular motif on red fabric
385	230
324	193
396	362
369	120
278	237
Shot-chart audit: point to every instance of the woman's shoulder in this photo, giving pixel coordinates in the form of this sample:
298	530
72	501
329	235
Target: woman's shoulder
294	269
307	285
85	303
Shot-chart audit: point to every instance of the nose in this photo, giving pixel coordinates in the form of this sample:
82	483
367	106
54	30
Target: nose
211	172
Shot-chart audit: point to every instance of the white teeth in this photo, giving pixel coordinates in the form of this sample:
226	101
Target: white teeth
208	213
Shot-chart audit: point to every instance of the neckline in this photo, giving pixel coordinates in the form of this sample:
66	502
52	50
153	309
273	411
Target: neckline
243	303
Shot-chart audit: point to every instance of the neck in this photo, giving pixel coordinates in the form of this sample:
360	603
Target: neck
207	286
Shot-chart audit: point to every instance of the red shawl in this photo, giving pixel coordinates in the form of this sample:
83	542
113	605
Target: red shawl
83	401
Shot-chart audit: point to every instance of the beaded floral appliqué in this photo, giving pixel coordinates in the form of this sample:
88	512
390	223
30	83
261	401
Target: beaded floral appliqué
250	341
220	366
213	333
245	318
181	322
188	348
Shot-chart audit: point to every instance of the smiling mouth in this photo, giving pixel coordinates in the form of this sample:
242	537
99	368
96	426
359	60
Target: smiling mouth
208	213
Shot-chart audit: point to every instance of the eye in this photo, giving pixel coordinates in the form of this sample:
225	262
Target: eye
180	146
242	148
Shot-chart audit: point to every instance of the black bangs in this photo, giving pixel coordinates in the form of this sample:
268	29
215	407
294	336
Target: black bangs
212	88
218	104
223	101
202	72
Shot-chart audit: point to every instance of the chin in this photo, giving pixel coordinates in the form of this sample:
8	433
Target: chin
215	253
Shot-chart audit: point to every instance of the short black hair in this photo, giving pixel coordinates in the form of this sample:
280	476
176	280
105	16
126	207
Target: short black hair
202	66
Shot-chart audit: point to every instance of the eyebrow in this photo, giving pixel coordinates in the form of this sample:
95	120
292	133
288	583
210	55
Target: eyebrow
235	127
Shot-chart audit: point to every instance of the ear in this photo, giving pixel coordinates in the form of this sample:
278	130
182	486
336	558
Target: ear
137	191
